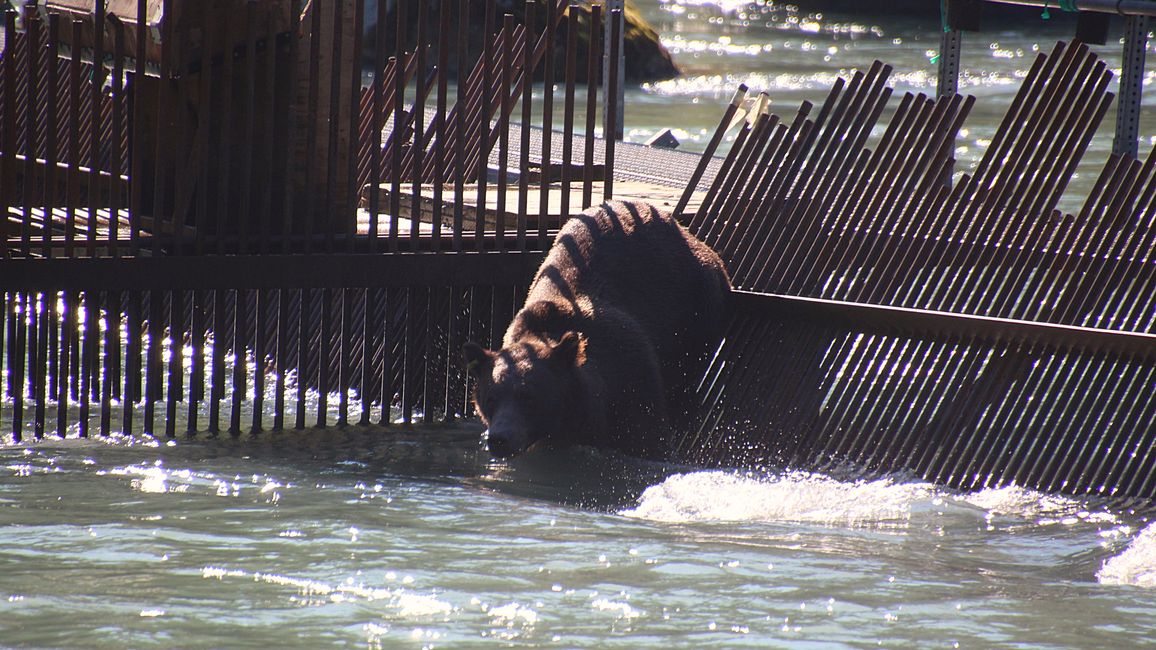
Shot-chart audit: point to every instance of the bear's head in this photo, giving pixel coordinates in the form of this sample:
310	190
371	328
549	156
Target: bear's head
529	391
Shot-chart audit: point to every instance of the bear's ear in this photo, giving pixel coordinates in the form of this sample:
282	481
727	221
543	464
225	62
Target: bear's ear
479	361
570	349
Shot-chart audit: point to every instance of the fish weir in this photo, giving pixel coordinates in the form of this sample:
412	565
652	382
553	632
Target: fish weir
215	220
888	319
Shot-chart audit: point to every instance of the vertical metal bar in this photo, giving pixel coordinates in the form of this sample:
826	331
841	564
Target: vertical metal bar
345	353
8	127
217	368
196	393
31	110
458	383
111	309
238	389
313	108
547	117
38	361
178	334
330	221
183	171
352	188
5	350
595	48
51	199
426	363
526	126
409	350
568	110
613	83
324	357
950	47
260	357
8	347
74	103
54	378
136	154
165	128
115	200
397	136
417	118
1131	86
305	303
440	152
463	57
389	342
245	215
18	363
506	63
377	88
290	135
281	332
65	368
130	394
204	132
612	132
483	171
368	346
269	110
87	358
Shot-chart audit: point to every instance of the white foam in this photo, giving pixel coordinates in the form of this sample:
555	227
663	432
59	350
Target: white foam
1136	565
513	614
1037	507
796	497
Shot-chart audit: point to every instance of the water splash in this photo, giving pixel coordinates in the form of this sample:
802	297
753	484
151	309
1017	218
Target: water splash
713	496
1135	565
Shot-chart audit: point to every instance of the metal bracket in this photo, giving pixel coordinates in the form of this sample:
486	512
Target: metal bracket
1131	86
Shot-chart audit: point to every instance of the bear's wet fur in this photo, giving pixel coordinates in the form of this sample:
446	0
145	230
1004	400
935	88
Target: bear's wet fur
617	324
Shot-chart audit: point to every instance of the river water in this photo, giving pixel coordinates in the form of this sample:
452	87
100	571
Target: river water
412	537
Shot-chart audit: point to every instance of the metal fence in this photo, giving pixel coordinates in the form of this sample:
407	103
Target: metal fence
244	216
968	331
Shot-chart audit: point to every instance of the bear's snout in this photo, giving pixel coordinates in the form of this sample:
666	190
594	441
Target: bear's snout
502	446
506	438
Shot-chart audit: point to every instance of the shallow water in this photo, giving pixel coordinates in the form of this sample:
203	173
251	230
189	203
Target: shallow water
412	537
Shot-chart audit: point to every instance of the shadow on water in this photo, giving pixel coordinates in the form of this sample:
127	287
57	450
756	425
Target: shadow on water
578	476
452	454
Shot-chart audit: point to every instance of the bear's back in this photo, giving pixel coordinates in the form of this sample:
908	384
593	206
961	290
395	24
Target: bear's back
636	259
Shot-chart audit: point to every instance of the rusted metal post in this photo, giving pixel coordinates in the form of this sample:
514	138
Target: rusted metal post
614	85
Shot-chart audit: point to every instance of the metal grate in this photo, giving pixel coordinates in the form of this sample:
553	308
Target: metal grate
194	236
969	332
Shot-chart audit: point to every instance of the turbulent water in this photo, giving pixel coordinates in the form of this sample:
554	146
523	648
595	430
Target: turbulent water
412	537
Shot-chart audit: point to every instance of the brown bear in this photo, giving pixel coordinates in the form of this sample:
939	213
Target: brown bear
617	323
